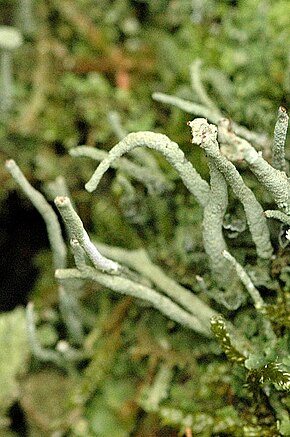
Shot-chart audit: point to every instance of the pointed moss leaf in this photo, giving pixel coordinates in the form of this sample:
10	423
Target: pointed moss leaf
219	329
14	353
273	373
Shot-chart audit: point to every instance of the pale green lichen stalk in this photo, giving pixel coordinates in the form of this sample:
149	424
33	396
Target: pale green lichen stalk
152	178
275	181
213	217
246	280
205	135
280	132
62	356
139	261
169	149
38	200
125	286
77	231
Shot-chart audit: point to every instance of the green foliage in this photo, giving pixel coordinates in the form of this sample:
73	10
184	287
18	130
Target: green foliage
106	413
45	400
14	355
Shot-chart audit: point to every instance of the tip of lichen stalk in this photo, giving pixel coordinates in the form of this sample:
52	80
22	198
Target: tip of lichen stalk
61	201
10	38
199	128
9	163
89	187
282	109
30	306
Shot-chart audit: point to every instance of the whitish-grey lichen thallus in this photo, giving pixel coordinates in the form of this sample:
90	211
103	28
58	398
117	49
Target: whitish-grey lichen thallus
205	107
169	149
53	227
151	177
140	261
212	226
280	132
274	180
77	231
205	135
126	286
214	199
10	39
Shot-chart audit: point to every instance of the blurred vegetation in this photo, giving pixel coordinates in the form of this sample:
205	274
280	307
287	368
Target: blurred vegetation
85	74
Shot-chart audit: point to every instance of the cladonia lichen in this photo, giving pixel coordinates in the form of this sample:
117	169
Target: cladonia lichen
133	273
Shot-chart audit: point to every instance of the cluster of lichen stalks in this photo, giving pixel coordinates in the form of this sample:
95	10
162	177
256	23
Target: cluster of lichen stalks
114	272
130	272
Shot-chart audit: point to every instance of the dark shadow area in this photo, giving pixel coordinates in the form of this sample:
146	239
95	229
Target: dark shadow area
17	420
23	234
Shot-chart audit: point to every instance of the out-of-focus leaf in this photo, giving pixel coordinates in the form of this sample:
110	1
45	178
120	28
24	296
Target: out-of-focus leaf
45	400
14	352
105	421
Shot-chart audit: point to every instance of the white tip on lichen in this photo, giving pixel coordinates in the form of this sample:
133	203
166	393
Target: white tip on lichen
10	38
201	129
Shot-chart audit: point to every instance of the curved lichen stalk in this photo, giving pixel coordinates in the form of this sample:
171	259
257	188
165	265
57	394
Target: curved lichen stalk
274	180
205	135
125	286
212	226
169	149
78	232
214	199
57	243
151	177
